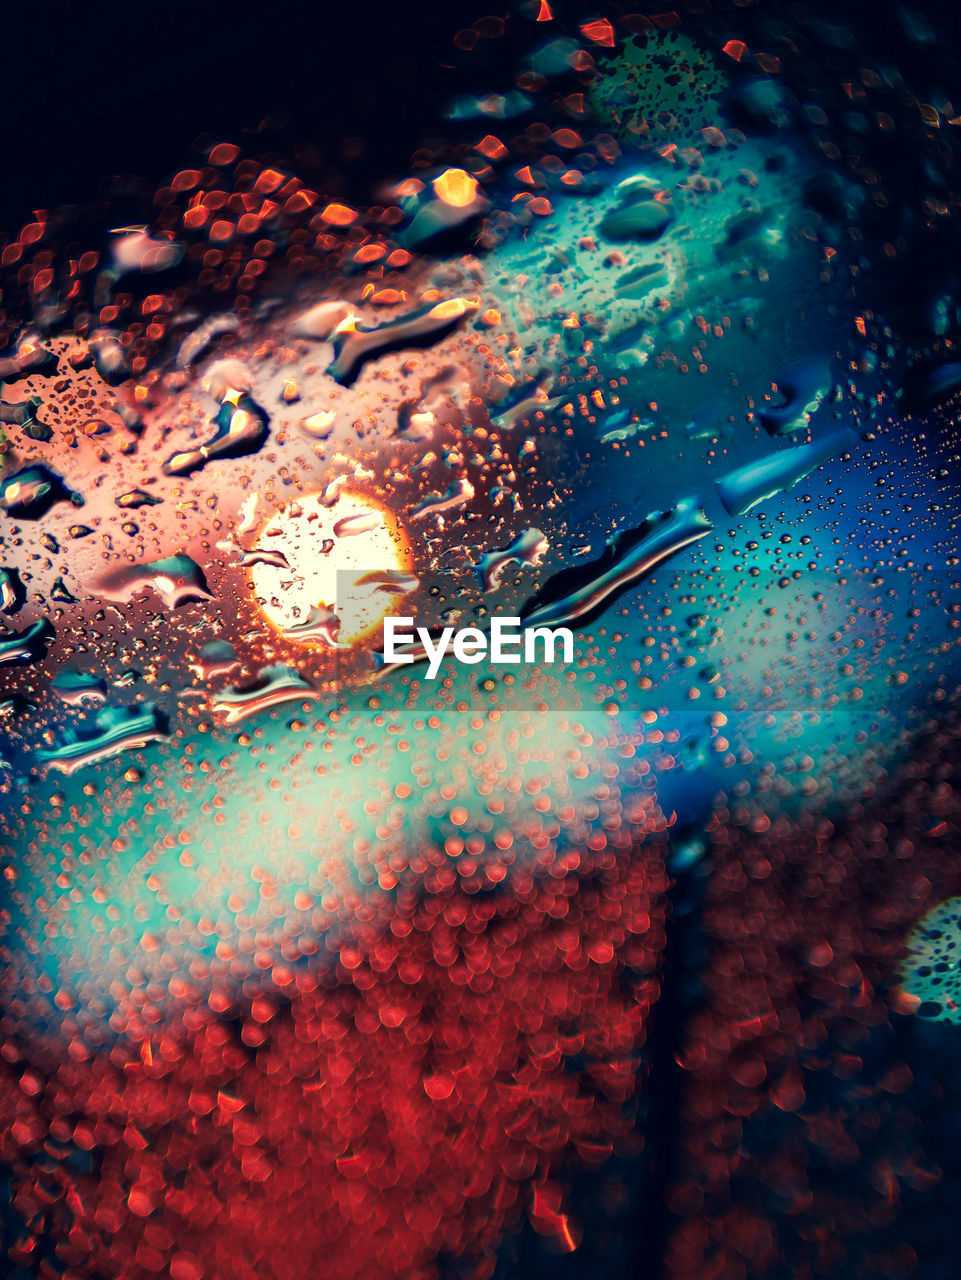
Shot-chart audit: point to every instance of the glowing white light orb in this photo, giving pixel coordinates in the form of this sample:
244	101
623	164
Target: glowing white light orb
345	556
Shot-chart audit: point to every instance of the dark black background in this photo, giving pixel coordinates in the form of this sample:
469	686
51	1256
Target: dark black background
342	93
89	91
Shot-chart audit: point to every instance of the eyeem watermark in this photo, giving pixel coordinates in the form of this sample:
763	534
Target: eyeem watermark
506	641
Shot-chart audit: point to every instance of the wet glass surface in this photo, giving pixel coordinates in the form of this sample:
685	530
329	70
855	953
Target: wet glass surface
641	964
